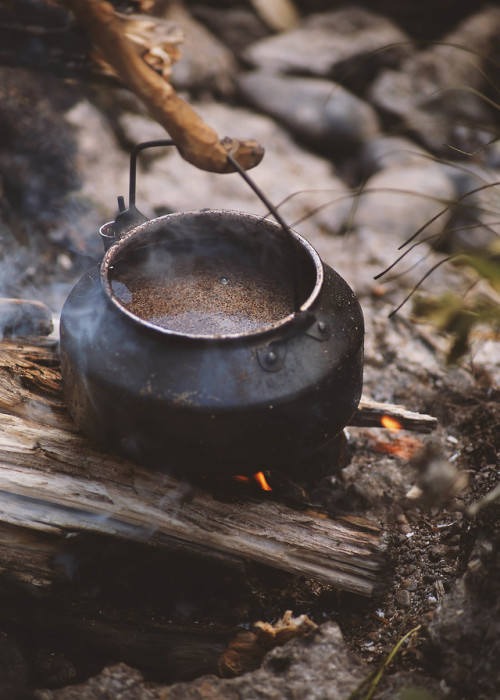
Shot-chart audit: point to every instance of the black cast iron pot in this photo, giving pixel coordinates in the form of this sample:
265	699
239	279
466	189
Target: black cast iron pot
210	343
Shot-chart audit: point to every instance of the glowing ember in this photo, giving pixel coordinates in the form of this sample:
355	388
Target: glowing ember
404	447
244	479
390	423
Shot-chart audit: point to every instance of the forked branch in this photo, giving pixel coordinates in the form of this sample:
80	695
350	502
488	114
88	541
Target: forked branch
197	142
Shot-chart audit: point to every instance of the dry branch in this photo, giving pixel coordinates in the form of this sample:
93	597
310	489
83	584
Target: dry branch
197	142
370	412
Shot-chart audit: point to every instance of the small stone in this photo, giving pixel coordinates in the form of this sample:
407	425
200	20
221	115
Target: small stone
410	584
206	63
333	45
390	151
320	112
401	199
403	598
438	552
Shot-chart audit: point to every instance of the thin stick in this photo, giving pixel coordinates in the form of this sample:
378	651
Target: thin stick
370	412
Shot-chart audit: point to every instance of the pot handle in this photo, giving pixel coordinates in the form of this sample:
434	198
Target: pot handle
127	219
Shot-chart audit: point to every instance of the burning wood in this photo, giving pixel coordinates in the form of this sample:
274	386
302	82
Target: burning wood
259	477
390	423
374	414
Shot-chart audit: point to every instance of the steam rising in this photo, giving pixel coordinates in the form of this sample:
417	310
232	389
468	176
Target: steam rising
203	274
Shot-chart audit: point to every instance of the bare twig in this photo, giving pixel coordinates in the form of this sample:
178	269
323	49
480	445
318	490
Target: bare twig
370	412
197	142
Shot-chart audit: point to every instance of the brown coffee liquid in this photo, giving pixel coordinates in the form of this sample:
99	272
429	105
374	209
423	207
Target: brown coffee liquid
202	296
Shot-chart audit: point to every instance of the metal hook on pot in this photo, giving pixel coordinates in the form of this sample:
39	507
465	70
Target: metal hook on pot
128	219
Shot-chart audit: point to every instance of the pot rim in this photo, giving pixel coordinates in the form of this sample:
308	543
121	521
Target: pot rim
107	264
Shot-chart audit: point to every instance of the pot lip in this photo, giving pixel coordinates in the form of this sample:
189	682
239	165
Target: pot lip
107	264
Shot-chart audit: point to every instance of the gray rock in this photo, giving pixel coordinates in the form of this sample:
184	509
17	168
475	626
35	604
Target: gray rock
237	27
475	216
430	94
206	64
388	151
332	45
398	201
321	112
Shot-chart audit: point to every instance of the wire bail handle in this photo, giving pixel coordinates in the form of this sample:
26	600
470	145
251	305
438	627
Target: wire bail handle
129	218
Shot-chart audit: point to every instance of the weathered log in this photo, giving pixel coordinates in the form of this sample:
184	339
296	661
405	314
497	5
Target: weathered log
54	482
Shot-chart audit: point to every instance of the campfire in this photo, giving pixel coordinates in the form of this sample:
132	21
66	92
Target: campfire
190	475
244	346
65	502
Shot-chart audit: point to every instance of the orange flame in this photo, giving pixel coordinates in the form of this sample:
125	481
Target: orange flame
261	479
391	423
258	477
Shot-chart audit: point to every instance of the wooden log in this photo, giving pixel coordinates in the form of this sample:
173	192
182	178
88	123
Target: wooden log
54	482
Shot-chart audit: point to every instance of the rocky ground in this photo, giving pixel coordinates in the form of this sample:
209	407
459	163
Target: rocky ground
371	132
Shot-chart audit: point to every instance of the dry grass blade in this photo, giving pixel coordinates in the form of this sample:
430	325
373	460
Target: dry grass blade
366	689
